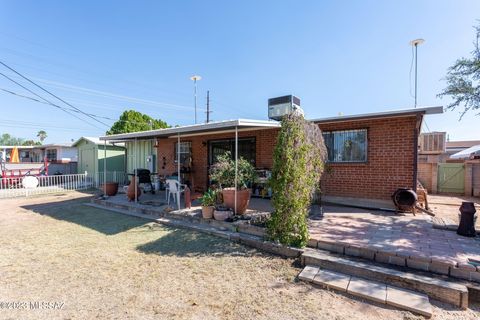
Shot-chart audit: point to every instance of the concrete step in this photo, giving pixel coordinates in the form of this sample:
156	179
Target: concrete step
369	290
446	291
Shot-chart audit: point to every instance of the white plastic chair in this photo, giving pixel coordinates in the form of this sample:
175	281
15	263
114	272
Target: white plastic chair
174	188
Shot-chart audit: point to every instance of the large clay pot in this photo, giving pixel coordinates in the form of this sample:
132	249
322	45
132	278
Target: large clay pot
110	188
243	198
207	212
131	190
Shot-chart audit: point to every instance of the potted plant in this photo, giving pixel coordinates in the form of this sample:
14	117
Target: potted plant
208	201
223	172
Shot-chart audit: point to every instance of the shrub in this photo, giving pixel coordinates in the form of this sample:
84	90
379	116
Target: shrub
297	168
223	172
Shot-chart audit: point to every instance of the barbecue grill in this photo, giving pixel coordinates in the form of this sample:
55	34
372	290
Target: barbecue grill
143	176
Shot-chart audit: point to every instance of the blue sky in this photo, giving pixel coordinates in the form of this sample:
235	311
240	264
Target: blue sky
337	56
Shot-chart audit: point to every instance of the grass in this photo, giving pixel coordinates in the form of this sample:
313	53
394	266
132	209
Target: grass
105	265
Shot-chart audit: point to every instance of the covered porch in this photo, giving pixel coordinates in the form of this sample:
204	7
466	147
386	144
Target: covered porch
186	153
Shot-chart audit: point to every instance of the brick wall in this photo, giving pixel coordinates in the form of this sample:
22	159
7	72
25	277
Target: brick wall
390	160
389	165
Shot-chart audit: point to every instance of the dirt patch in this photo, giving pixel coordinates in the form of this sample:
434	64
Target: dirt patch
101	264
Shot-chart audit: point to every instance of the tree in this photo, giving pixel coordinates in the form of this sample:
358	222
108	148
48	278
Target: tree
31	143
42	135
8	140
133	121
297	167
463	81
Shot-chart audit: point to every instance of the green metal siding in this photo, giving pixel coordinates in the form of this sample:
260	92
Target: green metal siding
91	157
87	160
141	149
115	158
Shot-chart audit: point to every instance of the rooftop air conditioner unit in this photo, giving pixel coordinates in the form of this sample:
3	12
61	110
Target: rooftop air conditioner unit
282	106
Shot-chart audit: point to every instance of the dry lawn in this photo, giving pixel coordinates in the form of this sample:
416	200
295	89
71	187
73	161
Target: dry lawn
104	265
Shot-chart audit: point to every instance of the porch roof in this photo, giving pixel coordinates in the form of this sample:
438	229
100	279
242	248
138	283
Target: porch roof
189	130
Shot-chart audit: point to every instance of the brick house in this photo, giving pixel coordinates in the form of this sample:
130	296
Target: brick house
369	155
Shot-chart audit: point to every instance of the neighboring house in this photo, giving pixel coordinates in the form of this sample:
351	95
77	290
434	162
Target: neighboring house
61	158
453	147
60	153
91	157
369	155
440	173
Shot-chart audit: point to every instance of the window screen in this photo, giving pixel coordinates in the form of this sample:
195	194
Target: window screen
246	149
51	154
185	151
346	145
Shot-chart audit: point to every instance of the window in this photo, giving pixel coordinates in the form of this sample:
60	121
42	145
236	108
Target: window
185	151
51	154
346	145
246	149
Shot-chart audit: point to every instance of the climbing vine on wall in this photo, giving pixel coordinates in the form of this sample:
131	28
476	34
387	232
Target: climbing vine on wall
297	168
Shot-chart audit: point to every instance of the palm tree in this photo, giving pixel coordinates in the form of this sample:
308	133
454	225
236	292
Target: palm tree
42	135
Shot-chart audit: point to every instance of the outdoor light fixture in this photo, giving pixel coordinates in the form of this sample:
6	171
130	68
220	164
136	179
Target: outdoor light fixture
194	79
416	43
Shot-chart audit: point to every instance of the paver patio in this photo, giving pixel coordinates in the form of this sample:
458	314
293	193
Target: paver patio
404	240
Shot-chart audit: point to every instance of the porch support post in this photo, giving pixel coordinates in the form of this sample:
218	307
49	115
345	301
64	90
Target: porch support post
104	167
236	168
135	167
178	165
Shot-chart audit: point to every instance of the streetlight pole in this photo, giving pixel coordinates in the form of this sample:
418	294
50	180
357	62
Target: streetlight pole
416	43
195	78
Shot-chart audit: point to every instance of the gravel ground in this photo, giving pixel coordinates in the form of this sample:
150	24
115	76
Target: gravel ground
97	264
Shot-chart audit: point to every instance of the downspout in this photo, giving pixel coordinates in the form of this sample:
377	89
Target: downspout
416	132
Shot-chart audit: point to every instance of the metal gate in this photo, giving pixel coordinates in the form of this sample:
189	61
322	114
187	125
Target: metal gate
451	177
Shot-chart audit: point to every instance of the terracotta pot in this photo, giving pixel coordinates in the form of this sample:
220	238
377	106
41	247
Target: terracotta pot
221	215
131	190
243	198
207	212
110	188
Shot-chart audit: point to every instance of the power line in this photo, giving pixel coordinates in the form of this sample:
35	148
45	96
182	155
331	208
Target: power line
47	101
57	106
130	82
53	95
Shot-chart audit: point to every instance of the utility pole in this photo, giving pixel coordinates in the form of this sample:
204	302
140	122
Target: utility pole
208	107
